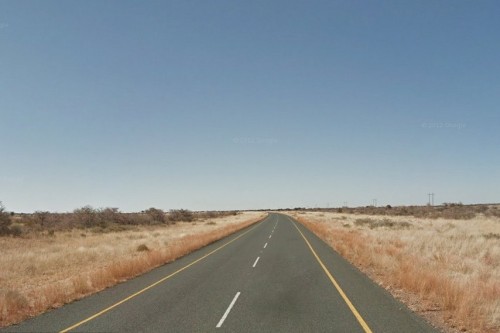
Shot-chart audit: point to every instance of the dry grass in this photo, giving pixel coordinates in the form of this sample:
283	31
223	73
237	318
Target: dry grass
455	211
447	270
43	271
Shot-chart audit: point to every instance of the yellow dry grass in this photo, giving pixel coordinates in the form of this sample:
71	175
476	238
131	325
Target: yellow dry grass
41	272
448	270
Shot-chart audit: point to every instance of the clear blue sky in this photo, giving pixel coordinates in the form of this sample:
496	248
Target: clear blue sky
248	104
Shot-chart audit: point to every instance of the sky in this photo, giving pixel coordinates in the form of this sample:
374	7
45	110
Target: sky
218	105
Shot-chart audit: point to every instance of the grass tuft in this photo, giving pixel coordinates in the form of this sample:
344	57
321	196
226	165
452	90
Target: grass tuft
142	248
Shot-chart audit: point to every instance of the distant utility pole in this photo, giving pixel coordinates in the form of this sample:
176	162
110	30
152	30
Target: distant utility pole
345	204
431	199
374	202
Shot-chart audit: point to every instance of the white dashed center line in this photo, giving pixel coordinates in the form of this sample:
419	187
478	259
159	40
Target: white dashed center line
221	321
265	245
256	261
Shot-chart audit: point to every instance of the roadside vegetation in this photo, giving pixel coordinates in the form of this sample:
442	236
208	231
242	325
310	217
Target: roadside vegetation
455	211
444	265
56	258
96	219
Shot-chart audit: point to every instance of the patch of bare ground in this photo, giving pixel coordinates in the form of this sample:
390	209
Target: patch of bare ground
43	271
447	270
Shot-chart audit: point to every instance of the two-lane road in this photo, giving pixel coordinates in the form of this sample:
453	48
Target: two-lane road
275	276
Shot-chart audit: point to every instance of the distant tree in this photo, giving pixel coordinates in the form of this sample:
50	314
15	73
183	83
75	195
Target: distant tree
156	215
181	215
41	217
111	215
86	216
4	221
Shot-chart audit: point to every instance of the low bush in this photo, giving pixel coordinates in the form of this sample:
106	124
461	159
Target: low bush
492	235
97	220
16	230
215	214
157	215
372	223
86	216
456	211
364	222
142	248
181	215
5	221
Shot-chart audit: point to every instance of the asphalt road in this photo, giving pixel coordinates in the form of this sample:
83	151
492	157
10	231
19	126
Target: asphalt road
275	276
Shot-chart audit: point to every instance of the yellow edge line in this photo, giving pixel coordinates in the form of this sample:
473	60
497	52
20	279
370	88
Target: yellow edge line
337	286
152	285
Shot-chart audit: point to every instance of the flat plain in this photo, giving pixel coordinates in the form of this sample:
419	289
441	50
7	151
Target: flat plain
446	269
273	276
41	271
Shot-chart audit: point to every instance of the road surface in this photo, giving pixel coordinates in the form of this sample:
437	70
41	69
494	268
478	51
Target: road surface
275	276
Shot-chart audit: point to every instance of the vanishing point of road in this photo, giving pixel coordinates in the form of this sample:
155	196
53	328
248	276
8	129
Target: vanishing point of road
275	276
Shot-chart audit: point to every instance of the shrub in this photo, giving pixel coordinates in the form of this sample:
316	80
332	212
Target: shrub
384	223
181	215
493	211
209	214
143	248
156	215
86	216
492	236
372	224
215	214
364	221
40	218
4	221
457	211
111	215
16	230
